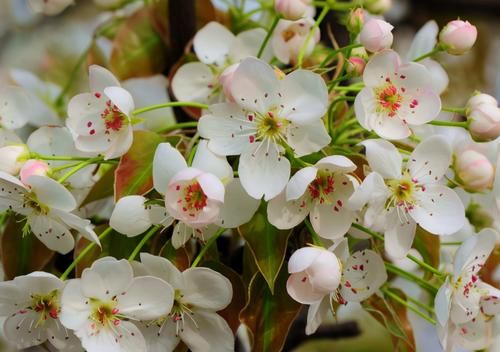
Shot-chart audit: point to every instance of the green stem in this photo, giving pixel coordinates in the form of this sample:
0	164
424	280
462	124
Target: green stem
207	245
348	89
179	126
315	237
398	299
302	51
83	253
141	244
191	148
59	158
71	79
436	50
337	51
67	166
460	111
420	304
77	168
411	277
268	35
169	105
463	124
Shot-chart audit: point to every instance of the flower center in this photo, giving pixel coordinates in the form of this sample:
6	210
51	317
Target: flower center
113	117
31	201
104	314
193	198
46	305
388	98
181	310
269	126
321	187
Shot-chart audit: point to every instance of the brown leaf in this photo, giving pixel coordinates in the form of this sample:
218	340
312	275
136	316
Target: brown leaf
102	188
178	257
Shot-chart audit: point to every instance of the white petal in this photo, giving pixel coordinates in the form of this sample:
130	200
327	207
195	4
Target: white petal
440	79
424	40
106	278
181	234
100	78
299	182
255	86
13	100
383	158
212	43
316	314
392	128
207	161
475	335
211	186
308	138
372	190
206	288
146	298
74	312
361	103
22	329
428	108
379	67
8	137
51	233
160	338
473	252
430	160
302	258
439	210
120	144
51	193
227	128
363	274
162	268
336	163
301	290
83	226
12	192
167	162
121	98
287	214
247	44
305	97
130	216
263	171
490	299
442	303
464	304
193	81
238	207
399	234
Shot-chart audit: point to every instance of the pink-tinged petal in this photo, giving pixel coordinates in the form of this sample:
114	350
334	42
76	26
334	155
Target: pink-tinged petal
299	182
206	288
130	216
372	191
316	314
22	330
51	193
427	108
263	171
399	233
287	214
207	161
308	138
13	101
247	44
473	253
228	129
381	66
238	207
392	128
106	278
336	163
162	268
424	40
325	272
302	258
363	274
100	78
255	86
51	233
300	289
167	163
212	43
194	81
211	186
430	160
438	210
305	97
146	298
383	158
121	98
442	303
333	219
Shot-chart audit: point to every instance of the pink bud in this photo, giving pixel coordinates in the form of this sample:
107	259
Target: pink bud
356	20
458	37
289	37
33	167
315	272
292	9
484	115
226	79
376	35
474	170
12	158
356	66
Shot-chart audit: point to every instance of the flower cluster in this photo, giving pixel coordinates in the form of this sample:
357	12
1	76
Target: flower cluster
292	172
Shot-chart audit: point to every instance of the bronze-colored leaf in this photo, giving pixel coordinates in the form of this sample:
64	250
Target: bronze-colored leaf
102	188
428	246
178	257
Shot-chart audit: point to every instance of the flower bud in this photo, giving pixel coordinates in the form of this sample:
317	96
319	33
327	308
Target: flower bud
484	115
12	158
33	167
226	79
458	37
378	6
376	35
315	272
292	9
356	20
289	37
355	66
474	170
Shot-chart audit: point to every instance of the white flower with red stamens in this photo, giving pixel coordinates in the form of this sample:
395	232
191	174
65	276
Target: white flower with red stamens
408	196
396	96
320	191
217	49
199	294
101	306
100	120
31	305
47	206
269	114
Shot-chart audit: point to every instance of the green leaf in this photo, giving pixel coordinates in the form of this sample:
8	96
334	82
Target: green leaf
134	174
138	49
266	243
269	316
